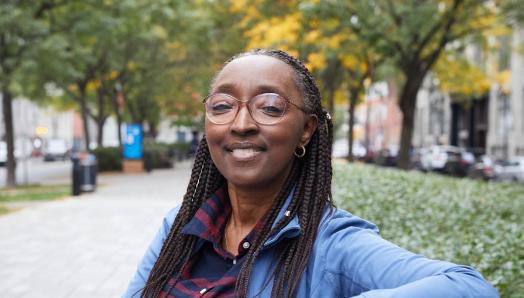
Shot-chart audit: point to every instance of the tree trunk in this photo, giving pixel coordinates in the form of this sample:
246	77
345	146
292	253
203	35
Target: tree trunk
7	107
100	133
84	113
100	118
153	131
407	104
353	98
331	101
118	113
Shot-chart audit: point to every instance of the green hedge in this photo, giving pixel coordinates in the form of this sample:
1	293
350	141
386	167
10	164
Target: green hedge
159	154
108	158
460	220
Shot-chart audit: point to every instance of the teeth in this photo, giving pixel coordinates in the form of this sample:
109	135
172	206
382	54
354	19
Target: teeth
244	153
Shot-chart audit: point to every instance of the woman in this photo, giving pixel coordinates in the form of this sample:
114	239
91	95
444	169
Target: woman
258	219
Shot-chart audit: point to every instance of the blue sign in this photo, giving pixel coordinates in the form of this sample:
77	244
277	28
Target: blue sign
133	142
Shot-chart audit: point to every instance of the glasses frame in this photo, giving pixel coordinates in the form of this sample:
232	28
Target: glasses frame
204	101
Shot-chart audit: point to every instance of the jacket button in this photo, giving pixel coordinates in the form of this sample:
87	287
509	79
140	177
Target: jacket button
246	245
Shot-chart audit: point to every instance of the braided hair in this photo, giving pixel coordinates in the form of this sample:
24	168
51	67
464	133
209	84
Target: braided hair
310	177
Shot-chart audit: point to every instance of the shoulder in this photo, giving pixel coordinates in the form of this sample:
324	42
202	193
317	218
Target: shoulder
169	218
344	236
338	221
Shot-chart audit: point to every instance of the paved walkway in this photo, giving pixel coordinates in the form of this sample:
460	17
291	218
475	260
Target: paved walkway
87	246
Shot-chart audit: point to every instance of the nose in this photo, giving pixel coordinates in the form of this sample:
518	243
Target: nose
243	124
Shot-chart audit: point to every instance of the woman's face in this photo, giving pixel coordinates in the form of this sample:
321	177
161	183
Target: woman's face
247	153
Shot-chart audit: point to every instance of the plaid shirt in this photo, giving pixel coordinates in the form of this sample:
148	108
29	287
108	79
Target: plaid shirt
211	271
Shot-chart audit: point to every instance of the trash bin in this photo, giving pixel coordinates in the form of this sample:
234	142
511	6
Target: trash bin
84	173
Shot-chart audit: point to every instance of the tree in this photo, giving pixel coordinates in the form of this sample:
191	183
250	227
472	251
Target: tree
332	52
24	25
413	35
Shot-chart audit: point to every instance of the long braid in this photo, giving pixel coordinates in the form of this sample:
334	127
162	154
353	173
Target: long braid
175	252
310	178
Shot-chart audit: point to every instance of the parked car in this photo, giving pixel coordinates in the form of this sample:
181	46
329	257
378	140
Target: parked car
386	157
511	169
451	160
341	149
56	149
483	168
3	153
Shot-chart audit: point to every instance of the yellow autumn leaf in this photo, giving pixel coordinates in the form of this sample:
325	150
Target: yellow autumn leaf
315	61
340	97
349	61
238	5
275	31
93	85
112	75
312	36
131	65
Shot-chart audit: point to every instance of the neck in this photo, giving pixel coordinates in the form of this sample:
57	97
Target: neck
249	206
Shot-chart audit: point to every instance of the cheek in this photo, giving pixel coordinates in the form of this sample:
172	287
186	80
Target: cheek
214	137
285	140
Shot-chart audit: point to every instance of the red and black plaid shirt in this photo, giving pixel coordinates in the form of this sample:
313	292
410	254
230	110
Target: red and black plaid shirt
211	271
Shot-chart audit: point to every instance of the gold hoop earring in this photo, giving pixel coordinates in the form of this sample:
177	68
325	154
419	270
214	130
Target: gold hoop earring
300	155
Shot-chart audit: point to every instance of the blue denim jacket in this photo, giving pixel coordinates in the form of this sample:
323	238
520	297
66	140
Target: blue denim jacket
349	259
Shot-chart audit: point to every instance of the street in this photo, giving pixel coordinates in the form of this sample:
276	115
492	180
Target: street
36	171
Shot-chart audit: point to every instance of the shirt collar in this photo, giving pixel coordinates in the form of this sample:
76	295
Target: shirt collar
209	221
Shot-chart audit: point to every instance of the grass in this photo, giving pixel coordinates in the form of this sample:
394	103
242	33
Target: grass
27	193
460	220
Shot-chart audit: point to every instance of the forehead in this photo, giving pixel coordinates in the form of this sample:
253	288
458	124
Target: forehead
251	72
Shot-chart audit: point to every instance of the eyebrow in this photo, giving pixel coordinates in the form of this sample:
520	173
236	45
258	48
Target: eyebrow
230	88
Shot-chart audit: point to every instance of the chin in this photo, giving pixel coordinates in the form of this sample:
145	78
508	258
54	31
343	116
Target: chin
247	179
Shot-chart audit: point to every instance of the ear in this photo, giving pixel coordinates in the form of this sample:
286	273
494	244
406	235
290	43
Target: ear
310	126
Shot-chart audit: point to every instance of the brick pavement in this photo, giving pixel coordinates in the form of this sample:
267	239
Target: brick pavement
87	246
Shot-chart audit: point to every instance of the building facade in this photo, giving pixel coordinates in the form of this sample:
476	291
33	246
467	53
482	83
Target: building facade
506	109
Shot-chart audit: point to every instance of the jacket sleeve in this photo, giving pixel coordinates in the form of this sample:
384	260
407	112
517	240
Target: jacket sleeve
375	268
138	281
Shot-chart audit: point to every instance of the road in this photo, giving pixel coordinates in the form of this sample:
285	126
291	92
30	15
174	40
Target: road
36	171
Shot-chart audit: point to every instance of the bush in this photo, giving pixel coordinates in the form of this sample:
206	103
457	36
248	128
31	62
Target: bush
108	158
180	151
460	220
159	155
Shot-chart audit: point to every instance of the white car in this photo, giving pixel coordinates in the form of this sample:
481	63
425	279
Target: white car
3	153
56	149
341	149
448	159
511	169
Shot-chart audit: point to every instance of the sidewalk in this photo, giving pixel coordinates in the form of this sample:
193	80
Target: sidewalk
87	246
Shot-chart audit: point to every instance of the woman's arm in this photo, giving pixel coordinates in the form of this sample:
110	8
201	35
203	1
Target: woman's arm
381	269
138	282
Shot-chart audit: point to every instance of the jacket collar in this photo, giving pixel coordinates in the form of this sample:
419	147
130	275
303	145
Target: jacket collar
291	230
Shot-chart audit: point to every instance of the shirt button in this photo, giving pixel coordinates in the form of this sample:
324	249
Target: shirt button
246	245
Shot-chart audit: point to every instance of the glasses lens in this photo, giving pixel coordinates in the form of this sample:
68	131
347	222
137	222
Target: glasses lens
267	108
221	108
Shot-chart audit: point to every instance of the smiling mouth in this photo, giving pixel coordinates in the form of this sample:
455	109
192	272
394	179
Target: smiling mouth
244	151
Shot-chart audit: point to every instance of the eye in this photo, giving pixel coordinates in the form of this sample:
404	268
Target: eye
272	110
270	104
219	104
221	108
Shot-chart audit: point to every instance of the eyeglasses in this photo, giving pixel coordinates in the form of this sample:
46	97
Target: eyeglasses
265	108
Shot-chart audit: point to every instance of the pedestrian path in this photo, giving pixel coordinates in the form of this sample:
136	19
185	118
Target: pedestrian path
87	246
